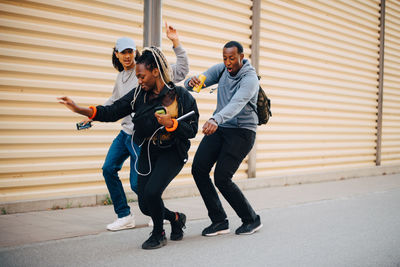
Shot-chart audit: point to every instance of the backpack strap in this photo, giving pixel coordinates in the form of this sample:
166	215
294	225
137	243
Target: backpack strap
253	107
220	75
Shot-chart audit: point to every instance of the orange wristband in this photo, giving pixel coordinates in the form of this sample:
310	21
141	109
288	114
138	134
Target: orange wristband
94	112
174	126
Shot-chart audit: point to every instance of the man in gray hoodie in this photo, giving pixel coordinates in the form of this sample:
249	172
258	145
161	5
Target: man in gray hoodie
229	136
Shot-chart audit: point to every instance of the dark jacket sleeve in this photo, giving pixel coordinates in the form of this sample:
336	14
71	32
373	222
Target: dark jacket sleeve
144	121
119	109
188	127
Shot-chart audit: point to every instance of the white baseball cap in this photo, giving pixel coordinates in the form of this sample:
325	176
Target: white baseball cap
125	43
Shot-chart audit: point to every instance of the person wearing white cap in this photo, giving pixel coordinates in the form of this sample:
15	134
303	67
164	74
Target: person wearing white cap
123	59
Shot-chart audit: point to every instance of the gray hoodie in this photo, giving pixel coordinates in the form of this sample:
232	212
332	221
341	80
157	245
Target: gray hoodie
126	81
237	95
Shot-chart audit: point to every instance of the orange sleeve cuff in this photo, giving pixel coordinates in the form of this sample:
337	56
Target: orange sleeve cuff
174	126
94	109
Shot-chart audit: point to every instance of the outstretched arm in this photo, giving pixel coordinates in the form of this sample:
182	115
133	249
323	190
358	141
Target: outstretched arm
119	109
69	103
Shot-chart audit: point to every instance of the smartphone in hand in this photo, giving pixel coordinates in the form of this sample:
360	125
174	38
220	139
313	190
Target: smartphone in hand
160	110
81	126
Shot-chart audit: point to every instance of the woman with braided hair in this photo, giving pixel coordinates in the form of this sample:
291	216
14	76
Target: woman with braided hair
123	58
163	139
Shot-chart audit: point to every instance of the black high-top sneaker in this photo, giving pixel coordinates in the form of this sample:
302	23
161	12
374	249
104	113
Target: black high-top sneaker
155	241
177	225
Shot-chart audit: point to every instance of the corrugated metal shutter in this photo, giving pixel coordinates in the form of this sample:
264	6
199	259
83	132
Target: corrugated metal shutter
319	66
204	28
50	49
391	86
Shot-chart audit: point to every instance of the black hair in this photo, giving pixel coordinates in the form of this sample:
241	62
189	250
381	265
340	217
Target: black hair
148	60
115	61
153	58
234	44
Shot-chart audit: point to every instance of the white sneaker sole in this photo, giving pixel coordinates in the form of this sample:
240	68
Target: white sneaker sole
222	232
254	230
151	224
128	226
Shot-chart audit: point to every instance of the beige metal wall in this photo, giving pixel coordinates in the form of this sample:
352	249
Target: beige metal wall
204	28
49	49
391	86
319	64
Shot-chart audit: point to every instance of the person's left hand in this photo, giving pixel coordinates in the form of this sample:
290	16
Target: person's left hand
172	34
164	119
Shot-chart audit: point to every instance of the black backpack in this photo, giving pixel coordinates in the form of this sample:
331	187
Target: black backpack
263	109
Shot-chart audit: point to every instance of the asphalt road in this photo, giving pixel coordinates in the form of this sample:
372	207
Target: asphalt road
363	230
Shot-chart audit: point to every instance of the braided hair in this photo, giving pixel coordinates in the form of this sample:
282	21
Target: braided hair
152	58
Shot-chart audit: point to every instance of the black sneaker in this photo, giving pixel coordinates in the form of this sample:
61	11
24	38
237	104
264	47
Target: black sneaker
249	228
155	241
177	226
218	228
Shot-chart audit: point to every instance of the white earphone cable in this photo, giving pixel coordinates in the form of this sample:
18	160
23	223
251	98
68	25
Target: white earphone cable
148	152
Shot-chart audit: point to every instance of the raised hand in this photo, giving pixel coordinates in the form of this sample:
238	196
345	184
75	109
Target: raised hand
172	34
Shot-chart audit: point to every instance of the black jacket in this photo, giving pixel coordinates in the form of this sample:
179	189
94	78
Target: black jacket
145	123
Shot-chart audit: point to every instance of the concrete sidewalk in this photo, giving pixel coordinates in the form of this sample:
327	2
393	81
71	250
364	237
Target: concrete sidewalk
33	227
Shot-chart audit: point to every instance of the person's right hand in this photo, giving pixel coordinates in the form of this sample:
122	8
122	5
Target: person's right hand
68	102
84	122
194	81
210	127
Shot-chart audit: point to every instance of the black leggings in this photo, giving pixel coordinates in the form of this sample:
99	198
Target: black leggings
165	166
